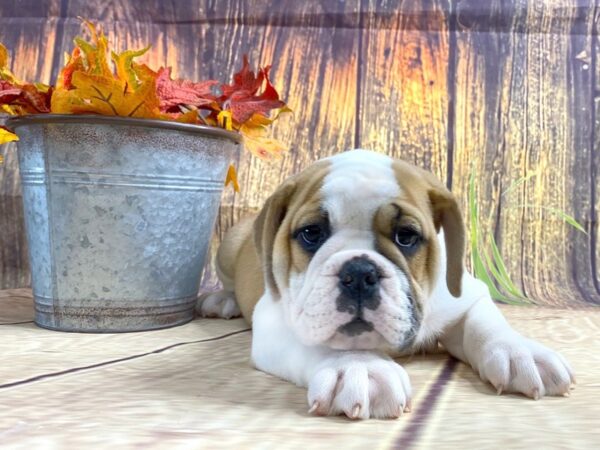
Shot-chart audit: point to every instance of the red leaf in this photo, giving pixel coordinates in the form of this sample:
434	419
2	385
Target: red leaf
27	97
245	80
173	93
243	104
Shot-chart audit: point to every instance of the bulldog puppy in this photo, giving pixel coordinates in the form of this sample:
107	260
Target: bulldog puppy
356	260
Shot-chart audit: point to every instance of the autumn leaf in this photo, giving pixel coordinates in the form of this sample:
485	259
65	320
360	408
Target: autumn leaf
244	80
74	62
241	97
26	99
5	73
173	93
257	140
7	136
17	97
124	65
232	178
95	52
96	94
91	82
224	120
3	56
190	116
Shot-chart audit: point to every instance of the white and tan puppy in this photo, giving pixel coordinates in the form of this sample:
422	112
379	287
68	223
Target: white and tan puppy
356	259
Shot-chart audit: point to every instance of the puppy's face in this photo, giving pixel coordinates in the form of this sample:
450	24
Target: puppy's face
349	246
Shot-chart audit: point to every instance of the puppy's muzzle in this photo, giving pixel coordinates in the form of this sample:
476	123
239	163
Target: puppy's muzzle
359	286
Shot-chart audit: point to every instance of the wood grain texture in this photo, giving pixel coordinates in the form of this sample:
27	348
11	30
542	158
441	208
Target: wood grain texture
596	37
505	87
595	168
404	95
313	67
520	109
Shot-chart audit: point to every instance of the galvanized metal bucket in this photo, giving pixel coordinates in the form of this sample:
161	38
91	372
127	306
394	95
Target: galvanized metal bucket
119	214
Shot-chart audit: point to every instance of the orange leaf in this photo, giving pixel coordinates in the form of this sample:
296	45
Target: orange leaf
3	56
74	62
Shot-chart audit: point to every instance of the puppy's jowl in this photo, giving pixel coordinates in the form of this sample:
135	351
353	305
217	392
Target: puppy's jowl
355	260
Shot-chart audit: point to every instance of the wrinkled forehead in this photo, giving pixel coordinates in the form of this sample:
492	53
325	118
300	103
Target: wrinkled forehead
357	185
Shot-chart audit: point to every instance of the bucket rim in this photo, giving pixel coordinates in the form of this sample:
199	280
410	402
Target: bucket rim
17	121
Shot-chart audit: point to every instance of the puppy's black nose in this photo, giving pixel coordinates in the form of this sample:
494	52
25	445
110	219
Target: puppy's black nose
359	279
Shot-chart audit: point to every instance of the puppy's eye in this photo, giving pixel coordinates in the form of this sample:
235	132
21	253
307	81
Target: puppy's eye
407	239
311	237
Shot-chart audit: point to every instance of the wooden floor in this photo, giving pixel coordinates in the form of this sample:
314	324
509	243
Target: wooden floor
193	387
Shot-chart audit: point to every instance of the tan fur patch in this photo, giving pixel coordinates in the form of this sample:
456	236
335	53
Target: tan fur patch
424	191
418	266
297	199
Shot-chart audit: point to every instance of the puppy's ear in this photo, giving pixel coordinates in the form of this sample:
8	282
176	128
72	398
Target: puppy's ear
266	227
447	214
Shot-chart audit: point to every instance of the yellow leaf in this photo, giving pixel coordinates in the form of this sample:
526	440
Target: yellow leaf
143	72
225	120
3	56
124	64
232	178
95	52
105	95
5	73
189	117
257	140
264	147
7	136
44	88
8	109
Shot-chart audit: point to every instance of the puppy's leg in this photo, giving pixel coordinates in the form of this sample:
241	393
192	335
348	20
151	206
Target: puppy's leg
482	338
359	384
220	303
223	303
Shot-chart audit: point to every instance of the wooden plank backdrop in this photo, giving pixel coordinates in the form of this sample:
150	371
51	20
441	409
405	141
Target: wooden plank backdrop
506	89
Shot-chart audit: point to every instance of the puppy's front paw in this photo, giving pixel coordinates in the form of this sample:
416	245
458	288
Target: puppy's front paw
218	304
512	363
360	386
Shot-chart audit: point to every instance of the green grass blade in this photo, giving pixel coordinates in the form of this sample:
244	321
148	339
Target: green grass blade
559	212
492	273
503	276
496	293
567	218
518	182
